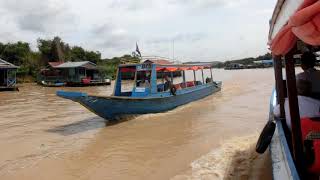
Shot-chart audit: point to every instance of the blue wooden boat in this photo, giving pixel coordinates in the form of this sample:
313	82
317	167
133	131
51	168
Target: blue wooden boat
283	166
295	150
147	95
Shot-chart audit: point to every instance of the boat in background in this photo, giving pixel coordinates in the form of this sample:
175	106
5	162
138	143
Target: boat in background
147	95
52	84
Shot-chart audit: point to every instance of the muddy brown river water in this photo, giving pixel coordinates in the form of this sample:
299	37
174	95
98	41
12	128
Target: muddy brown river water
45	137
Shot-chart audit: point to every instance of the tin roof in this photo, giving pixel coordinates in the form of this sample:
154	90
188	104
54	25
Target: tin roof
85	64
158	61
6	65
54	64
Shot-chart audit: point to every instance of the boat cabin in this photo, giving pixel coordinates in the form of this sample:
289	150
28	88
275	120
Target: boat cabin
7	75
294	30
146	83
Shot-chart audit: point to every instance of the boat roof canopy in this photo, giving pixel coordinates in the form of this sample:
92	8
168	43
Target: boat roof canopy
294	20
167	68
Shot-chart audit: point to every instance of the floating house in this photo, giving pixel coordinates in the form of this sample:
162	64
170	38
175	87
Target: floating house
82	73
264	63
234	66
8	78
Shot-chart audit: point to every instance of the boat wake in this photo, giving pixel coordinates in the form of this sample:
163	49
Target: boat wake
235	159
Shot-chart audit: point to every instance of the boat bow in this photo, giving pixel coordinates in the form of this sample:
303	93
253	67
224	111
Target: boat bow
74	96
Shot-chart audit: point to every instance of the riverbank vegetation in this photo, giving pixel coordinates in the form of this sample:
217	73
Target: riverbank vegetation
53	50
245	61
31	61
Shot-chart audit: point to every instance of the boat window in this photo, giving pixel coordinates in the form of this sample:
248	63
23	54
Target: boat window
207	76
143	79
190	80
127	80
178	80
164	80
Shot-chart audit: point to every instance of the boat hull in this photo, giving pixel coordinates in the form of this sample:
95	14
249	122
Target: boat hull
283	167
111	108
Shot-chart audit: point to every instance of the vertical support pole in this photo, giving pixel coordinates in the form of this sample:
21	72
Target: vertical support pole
15	78
171	74
277	63
211	74
135	76
7	78
153	79
162	73
194	76
202	76
294	111
117	84
184	78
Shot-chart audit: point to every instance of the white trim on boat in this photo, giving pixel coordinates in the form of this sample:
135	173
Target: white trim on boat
282	12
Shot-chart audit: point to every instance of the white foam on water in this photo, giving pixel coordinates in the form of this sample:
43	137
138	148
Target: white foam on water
235	159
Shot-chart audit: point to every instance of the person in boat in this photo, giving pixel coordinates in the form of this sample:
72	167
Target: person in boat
308	106
168	83
208	80
145	81
308	61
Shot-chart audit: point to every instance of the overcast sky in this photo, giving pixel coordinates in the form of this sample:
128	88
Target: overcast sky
202	30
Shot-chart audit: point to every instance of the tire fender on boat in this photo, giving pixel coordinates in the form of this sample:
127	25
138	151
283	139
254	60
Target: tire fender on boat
265	137
173	90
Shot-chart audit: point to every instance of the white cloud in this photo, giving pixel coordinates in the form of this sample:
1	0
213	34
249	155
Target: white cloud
40	16
220	29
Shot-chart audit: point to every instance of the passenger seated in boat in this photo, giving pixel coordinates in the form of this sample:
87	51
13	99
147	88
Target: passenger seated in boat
308	60
308	106
208	80
143	83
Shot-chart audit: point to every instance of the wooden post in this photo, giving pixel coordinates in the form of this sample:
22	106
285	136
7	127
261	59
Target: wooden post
135	78
184	78
117	84
294	112
202	76
162	73
277	63
7	78
211	74
194	76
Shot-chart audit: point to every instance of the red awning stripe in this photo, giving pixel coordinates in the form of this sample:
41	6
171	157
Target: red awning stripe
175	68
127	69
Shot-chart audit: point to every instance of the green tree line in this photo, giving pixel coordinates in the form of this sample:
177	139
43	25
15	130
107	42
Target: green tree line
54	50
244	61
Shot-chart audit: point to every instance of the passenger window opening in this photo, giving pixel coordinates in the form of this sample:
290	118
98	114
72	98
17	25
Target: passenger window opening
127	80
143	79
